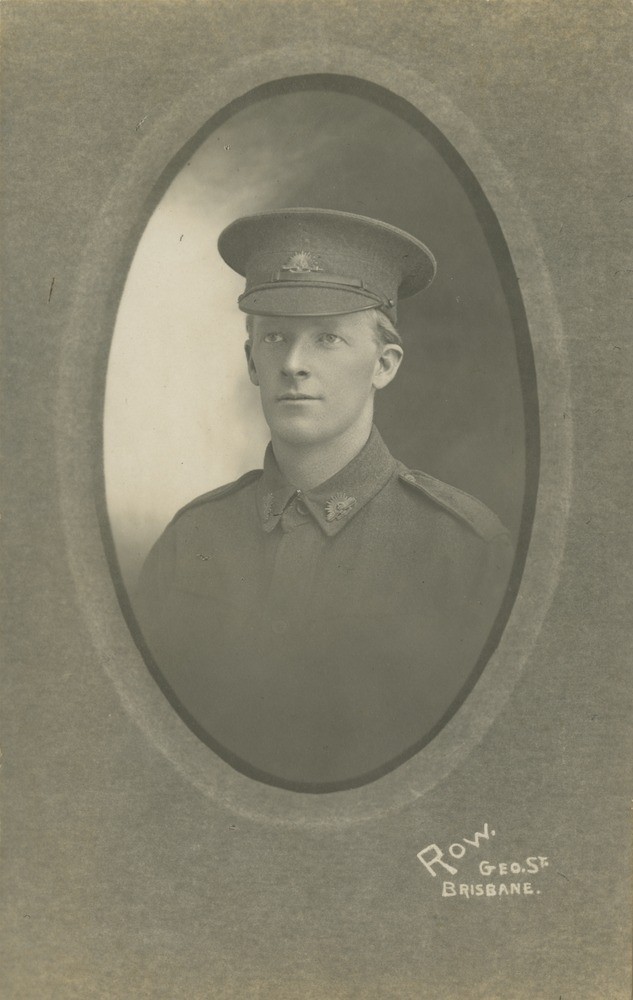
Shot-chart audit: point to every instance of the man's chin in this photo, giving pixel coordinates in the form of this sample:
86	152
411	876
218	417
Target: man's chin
298	431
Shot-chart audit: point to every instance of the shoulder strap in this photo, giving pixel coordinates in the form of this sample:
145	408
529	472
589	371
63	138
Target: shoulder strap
222	491
468	509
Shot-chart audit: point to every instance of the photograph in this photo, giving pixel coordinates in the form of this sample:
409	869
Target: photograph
316	607
316	573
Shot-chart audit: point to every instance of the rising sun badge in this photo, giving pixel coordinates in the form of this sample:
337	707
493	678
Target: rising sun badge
301	262
338	506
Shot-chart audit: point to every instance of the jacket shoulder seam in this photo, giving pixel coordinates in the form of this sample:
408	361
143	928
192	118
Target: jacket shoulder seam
483	521
220	491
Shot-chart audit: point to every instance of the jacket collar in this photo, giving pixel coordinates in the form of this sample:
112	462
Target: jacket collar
335	502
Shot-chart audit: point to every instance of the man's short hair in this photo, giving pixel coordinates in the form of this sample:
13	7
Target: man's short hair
383	328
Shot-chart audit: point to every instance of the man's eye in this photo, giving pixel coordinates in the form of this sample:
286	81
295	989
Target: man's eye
331	338
273	338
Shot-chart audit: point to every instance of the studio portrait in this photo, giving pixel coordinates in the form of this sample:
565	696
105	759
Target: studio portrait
314	440
317	647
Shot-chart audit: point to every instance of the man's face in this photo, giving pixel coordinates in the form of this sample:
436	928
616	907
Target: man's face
317	375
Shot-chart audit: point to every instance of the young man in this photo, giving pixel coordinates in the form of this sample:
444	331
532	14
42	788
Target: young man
316	621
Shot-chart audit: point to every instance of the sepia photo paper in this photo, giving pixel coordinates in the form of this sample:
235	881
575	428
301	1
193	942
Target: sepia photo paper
316	513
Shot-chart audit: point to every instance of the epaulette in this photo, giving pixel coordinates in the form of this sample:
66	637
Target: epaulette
221	491
468	509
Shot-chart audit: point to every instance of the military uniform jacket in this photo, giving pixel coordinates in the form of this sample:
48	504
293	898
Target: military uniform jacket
316	639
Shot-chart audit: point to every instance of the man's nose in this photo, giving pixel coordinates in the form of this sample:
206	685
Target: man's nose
295	363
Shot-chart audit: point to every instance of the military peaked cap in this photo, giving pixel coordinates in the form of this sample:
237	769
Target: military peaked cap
318	262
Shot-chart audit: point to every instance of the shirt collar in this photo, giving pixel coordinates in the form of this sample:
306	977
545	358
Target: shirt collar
335	502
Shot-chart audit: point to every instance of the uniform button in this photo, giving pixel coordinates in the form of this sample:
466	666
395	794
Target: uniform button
280	626
408	477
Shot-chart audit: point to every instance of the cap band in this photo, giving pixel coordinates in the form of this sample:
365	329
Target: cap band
321	281
316	277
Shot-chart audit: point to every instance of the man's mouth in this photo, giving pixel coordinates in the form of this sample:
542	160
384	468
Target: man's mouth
295	397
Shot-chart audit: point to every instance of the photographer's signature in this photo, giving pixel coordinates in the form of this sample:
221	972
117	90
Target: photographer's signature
499	878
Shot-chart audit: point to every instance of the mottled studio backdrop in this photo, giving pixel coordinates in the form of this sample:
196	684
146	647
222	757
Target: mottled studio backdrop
181	416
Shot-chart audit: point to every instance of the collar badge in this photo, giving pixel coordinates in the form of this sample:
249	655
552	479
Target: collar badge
301	263
338	506
268	506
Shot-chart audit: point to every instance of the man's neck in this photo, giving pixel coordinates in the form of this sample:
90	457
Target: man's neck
307	466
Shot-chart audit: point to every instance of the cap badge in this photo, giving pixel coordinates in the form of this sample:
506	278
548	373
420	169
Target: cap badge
301	263
338	506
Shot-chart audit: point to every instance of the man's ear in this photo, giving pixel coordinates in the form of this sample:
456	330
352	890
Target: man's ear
387	365
252	371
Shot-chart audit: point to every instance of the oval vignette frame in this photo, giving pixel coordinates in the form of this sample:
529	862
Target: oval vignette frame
79	442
